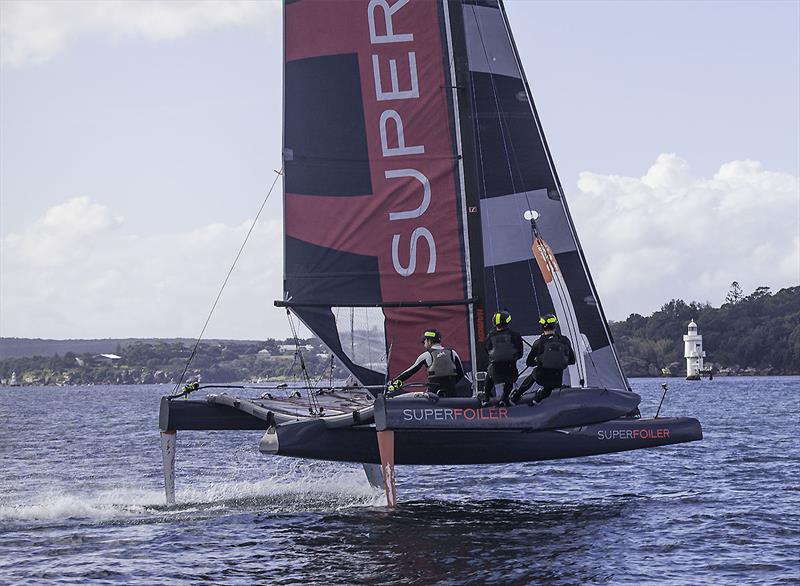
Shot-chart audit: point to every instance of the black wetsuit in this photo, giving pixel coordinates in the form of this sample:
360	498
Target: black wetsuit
443	386
548	378
504	372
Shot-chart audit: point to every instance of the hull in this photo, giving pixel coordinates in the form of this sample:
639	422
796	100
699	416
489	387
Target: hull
312	439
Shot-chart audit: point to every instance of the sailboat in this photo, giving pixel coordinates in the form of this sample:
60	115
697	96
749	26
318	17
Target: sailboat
419	192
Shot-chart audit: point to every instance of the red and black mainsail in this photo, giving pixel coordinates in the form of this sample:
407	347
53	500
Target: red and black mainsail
419	186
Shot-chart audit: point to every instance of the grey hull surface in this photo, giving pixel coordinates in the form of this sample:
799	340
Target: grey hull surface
312	439
428	430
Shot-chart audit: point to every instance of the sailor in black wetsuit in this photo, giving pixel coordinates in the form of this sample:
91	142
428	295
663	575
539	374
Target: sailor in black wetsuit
504	347
444	366
550	355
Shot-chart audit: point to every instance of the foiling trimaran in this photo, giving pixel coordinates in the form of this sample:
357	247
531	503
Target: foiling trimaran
419	192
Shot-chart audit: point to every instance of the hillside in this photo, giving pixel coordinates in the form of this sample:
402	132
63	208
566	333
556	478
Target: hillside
163	361
758	333
28	347
754	334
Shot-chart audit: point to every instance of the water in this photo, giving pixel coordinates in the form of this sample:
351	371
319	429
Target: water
81	500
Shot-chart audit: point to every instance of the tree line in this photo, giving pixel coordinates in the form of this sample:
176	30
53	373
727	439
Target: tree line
148	362
755	333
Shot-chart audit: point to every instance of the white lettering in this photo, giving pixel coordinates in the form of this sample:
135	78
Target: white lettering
396	93
412	262
401	148
388	13
426	193
407	415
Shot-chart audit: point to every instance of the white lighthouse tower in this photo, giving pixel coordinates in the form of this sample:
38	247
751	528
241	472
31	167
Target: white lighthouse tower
693	352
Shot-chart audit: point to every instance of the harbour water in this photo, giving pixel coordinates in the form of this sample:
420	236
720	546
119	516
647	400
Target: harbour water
81	500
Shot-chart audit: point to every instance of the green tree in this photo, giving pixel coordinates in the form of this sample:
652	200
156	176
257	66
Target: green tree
735	295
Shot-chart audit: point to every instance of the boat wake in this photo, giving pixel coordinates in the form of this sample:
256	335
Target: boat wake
327	490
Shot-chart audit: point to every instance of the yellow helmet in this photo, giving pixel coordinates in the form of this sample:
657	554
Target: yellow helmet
502	318
548	321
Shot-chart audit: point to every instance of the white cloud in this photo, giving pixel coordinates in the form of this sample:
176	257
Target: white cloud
670	234
77	272
33	31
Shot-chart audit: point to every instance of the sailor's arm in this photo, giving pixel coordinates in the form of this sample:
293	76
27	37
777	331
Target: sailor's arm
533	354
518	345
570	352
459	366
414	368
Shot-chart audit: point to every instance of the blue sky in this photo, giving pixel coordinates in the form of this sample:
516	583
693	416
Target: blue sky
136	145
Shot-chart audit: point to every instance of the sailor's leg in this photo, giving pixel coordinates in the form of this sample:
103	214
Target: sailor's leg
488	387
168	459
508	387
386	449
526	384
543	393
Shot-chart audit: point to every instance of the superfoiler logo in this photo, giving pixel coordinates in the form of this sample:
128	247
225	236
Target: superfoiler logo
631	434
447	414
383	34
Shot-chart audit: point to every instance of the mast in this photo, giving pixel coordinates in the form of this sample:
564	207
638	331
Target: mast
462	190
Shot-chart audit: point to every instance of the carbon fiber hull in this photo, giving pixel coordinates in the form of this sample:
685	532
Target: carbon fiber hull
312	439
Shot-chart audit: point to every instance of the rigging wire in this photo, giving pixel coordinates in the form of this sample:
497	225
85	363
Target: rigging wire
510	152
563	200
564	298
507	144
315	408
175	393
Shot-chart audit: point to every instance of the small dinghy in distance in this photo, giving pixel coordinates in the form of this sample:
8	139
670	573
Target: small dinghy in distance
419	192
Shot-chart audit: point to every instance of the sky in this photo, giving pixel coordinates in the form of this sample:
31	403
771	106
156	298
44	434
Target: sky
139	139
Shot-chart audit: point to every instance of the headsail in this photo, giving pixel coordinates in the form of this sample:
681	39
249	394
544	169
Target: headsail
533	263
419	191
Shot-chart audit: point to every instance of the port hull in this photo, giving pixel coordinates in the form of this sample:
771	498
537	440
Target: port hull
312	439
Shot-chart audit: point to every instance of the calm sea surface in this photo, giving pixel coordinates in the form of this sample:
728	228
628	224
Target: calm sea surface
81	500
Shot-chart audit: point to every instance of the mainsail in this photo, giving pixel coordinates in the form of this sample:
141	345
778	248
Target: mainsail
419	191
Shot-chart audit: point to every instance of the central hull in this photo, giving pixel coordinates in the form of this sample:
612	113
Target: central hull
313	439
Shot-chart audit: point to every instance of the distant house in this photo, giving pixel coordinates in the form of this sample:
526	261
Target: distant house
284	348
98	359
264	353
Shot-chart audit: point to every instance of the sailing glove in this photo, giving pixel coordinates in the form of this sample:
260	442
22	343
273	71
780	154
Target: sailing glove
395	385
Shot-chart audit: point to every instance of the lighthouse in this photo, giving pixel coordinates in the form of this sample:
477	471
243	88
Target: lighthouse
693	352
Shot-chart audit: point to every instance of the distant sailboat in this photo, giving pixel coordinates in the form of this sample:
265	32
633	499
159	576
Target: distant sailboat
419	192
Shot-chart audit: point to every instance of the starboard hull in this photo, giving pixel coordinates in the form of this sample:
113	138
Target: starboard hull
312	439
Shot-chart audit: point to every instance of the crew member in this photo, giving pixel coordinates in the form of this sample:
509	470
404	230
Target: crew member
504	347
549	356
444	366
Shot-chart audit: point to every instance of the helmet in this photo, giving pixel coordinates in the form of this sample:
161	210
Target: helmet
433	335
501	318
548	321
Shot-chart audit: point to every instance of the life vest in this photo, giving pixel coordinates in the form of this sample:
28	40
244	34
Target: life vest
554	353
503	349
442	363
